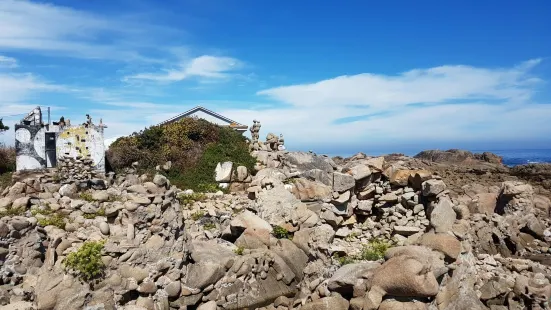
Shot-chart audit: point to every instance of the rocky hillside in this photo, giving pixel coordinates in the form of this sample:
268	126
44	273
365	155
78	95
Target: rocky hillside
299	232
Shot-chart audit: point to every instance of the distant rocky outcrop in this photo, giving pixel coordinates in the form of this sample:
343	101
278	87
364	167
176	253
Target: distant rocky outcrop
455	156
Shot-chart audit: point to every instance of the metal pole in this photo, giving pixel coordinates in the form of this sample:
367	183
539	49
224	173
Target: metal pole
48	117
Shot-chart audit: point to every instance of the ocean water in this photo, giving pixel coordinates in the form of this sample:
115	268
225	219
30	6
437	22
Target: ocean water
521	157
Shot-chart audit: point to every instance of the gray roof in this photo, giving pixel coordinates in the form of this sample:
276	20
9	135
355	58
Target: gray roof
200	108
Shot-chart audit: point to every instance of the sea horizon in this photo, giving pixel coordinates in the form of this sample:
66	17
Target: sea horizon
511	157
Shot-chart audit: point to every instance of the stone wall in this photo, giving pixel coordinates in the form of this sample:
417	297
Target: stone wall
77	169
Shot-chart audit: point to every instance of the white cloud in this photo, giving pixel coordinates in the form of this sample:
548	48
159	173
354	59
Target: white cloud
7	62
205	67
447	103
58	30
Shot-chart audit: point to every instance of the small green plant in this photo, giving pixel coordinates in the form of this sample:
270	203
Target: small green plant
239	250
351	237
100	212
115	198
188	199
86	261
290	181
56	219
344	260
280	232
56	177
375	250
197	215
86	196
208	188
46	211
13	211
209	226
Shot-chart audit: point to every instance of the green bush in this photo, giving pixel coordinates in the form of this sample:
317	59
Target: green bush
86	261
239	250
375	250
189	199
280	232
13	212
56	220
7	165
345	259
209	225
198	215
86	196
194	146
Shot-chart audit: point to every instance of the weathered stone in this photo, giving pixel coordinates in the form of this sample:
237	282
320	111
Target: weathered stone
160	180
223	172
303	161
344	279
319	175
406	230
104	228
138	189
433	187
327	303
359	172
242	173
307	190
68	190
484	203
100	196
444	243
406	276
442	216
5	202
376	163
22	202
342	182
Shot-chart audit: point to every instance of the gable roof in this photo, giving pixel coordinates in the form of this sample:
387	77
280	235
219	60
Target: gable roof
205	110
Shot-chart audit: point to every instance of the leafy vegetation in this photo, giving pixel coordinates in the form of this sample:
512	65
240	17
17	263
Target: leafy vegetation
239	250
197	215
189	199
373	251
13	212
100	212
280	232
55	219
209	225
86	196
194	146
86	261
7	165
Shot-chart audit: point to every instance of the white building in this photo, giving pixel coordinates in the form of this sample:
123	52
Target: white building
209	116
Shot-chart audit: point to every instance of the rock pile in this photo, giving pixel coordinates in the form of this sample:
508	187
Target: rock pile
77	169
310	233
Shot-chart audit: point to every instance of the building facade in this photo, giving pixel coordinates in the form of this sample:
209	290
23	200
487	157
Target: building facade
39	145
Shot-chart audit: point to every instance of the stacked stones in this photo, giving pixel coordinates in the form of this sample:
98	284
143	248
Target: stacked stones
77	169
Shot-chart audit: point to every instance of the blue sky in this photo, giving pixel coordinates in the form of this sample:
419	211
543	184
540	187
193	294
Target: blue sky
332	77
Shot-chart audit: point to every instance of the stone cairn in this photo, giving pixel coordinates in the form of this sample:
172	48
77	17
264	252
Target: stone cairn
273	143
77	169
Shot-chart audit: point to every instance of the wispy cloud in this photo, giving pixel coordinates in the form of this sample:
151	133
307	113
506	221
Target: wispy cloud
7	62
446	103
63	31
204	67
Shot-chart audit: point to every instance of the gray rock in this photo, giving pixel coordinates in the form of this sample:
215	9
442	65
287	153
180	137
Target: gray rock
223	172
433	187
343	182
318	175
344	279
406	230
5	202
68	190
104	228
360	172
303	161
19	223
342	199
138	189
211	305
139	199
100	196
160	180
89	208
22	202
443	216
173	289
327	303
242	173
127	271
202	274
4	230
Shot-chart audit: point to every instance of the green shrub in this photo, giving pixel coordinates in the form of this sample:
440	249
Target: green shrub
189	199
194	146
375	250
209	226
86	261
280	232
56	219
197	215
7	159
46	211
239	250
344	260
86	196
13	211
